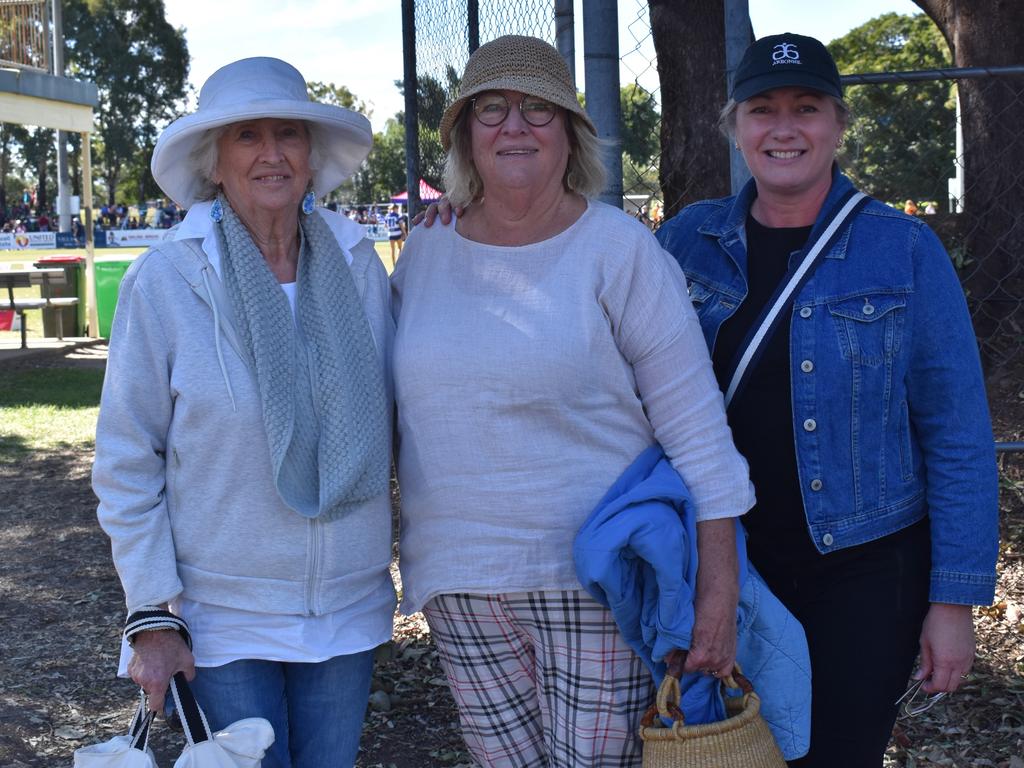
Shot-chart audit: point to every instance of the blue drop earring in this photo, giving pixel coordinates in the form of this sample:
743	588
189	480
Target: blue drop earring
308	202
217	211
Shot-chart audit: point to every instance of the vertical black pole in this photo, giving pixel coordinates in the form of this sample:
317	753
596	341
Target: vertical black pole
473	24
412	126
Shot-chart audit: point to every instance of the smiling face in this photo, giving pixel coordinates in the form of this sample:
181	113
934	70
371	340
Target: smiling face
788	137
263	166
518	156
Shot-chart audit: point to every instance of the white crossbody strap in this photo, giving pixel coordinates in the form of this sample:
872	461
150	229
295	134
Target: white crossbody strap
796	279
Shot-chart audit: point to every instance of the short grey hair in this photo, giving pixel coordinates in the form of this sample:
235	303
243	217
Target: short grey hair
727	117
585	173
203	157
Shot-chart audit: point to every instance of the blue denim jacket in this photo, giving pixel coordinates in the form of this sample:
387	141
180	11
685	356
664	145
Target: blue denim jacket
890	419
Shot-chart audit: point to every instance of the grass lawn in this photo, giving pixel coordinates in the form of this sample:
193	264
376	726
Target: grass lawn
48	409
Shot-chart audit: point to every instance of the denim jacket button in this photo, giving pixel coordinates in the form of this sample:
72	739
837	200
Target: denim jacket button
805	312
827	539
869	309
815	484
810	425
806	366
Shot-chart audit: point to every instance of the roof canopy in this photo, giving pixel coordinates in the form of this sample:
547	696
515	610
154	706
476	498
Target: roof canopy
427	192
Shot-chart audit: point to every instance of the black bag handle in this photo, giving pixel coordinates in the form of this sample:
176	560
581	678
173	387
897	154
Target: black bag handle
138	728
193	719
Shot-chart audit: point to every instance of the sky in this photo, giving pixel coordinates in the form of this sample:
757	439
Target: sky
358	43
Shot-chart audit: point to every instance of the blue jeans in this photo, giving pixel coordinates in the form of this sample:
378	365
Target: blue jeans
316	709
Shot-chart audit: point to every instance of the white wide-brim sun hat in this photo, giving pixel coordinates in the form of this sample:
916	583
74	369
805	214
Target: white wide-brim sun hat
252	89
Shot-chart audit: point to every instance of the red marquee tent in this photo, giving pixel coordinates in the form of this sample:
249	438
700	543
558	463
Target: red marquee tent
427	193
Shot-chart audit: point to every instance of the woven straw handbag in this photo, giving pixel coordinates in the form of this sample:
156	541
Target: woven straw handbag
742	740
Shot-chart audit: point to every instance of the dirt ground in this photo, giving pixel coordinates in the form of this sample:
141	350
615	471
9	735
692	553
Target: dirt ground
61	611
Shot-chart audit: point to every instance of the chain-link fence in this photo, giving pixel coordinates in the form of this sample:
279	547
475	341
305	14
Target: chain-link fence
949	141
946	145
445	30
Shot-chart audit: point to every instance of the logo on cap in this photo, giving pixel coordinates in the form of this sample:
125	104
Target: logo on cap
785	53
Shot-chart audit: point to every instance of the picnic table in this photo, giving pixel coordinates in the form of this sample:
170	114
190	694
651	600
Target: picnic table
26	278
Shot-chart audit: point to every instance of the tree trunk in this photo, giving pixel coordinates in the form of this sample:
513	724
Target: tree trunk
979	35
689	39
42	199
5	160
111	175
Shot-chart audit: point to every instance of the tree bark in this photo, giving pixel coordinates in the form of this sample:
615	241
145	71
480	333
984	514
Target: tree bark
42	198
689	39
5	157
986	35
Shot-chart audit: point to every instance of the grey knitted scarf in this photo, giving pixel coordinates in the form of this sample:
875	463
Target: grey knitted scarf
320	381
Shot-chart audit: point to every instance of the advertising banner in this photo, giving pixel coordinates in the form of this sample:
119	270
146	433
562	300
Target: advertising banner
135	237
21	240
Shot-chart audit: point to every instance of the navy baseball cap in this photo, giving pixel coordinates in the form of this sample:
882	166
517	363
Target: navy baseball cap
784	60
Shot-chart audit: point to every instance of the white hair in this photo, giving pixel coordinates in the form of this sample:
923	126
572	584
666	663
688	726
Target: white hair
203	157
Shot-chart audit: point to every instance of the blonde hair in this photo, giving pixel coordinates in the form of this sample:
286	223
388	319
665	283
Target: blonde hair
727	117
585	173
204	156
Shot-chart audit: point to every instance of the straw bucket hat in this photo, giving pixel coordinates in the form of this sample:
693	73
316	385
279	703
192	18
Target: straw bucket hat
515	63
251	89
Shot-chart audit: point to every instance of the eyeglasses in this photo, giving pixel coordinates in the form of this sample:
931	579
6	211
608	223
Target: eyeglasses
491	109
914	703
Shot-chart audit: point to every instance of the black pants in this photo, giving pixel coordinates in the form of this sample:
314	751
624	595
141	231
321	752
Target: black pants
862	609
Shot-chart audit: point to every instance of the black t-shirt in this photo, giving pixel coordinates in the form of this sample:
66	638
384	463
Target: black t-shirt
761	416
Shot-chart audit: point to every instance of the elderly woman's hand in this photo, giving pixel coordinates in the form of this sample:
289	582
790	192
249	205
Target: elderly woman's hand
157	656
442	208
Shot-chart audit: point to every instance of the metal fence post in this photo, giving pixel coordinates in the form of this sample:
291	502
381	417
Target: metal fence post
737	38
473	25
412	129
601	71
565	34
63	177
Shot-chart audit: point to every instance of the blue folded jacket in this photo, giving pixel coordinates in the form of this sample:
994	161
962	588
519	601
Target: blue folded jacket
637	554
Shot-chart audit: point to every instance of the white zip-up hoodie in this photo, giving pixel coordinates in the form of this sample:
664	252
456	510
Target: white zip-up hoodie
182	468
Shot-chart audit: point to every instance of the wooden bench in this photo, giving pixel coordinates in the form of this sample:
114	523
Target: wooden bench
26	278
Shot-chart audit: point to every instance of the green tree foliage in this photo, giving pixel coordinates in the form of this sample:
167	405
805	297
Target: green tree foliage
641	145
38	148
29	155
139	63
338	95
383	173
8	143
902	139
640	120
433	95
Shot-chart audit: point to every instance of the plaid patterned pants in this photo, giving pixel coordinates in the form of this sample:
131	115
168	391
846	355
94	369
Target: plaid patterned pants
541	679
